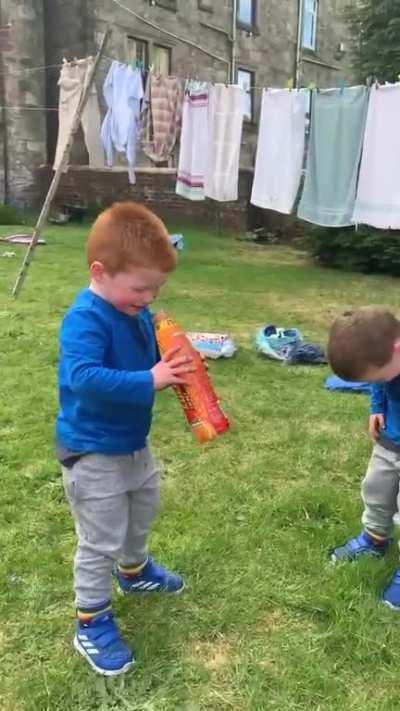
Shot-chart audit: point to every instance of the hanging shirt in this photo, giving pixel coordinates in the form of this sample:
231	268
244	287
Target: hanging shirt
123	92
337	132
378	195
280	149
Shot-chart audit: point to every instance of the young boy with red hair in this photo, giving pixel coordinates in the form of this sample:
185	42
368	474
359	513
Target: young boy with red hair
109	372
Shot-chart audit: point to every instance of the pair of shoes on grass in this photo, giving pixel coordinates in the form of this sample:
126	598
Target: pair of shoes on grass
366	545
100	641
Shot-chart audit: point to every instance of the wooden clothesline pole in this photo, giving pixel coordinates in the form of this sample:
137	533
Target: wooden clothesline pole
57	175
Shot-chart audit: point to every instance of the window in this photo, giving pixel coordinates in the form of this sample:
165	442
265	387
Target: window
137	52
310	24
246	12
245	79
206	5
168	4
161	60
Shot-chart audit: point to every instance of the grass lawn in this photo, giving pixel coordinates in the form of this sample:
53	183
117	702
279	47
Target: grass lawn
266	622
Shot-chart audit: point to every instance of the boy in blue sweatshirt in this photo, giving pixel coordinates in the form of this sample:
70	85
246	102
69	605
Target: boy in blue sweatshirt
109	372
365	345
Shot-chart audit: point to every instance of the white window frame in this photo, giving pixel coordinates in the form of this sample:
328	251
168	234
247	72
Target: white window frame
249	92
312	14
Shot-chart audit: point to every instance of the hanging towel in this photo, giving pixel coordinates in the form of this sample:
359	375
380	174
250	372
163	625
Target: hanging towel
337	131
225	117
194	143
280	149
378	196
72	82
161	117
123	92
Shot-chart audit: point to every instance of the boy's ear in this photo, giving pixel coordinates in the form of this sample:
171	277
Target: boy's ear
396	346
97	272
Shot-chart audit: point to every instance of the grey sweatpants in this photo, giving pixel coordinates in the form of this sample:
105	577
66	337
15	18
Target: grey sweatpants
113	500
381	492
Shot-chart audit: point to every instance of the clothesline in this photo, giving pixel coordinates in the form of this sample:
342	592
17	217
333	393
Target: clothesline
28	108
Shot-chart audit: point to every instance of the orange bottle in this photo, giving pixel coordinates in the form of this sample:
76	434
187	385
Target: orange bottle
198	398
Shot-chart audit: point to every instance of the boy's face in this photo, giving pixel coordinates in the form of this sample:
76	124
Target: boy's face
386	372
129	291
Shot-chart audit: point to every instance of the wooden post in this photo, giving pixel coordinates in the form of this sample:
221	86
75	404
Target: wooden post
57	175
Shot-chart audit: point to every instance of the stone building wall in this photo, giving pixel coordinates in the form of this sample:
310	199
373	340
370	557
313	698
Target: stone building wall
25	133
69	28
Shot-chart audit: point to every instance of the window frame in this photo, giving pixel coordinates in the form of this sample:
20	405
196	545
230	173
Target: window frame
171	5
146	48
252	74
253	23
310	47
154	47
206	5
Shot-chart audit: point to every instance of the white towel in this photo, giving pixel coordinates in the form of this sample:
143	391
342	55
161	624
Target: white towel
280	149
225	131
378	196
194	143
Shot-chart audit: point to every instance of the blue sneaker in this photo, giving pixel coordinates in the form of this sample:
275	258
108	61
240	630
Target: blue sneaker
100	643
356	547
152	578
391	594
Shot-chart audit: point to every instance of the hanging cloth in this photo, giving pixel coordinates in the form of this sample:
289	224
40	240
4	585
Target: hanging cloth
194	143
123	92
280	149
161	117
72	82
378	196
226	108
337	130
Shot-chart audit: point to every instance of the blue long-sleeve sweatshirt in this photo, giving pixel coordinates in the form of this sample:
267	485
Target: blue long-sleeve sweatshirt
106	389
385	400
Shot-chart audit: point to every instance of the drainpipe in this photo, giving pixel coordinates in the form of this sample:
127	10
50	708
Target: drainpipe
299	57
233	42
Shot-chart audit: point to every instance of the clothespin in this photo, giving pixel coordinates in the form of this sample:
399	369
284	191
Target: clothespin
290	84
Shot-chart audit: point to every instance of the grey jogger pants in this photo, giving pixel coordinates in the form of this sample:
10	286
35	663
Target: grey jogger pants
113	500
380	491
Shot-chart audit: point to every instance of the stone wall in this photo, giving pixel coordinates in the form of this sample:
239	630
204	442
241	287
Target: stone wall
25	135
100	188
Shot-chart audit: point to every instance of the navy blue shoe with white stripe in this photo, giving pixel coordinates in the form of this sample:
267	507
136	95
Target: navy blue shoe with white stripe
363	545
100	642
151	578
391	595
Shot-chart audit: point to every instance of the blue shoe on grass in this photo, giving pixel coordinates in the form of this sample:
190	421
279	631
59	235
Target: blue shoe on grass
151	578
391	594
100	642
363	545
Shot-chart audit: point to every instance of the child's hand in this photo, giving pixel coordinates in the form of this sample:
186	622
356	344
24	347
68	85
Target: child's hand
171	369
376	424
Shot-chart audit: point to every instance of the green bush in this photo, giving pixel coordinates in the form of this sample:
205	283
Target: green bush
363	250
9	215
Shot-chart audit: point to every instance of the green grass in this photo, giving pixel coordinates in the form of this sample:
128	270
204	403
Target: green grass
266	622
